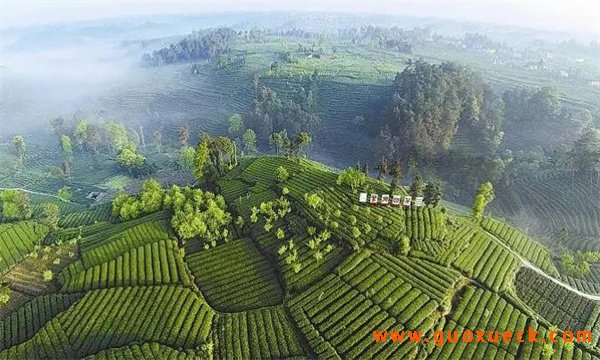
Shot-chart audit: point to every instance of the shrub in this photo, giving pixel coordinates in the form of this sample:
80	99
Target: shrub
313	200
280	234
352	219
352	177
65	193
48	275
4	295
282	174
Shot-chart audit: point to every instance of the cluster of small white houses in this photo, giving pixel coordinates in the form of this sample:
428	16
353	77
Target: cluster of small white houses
393	200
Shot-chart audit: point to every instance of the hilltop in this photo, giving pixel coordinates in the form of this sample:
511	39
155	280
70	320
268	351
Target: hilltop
291	266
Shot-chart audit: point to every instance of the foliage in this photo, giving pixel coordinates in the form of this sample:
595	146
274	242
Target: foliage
213	157
417	186
396	173
15	205
429	103
4	295
186	157
404	245
19	144
586	151
198	214
577	263
353	178
282	174
272	115
236	126
149	200
118	137
433	193
151	196
80	132
382	168
249	141
48	275
184	136
135	163
313	200
51	215
201	158
66	146
157	140
484	195
196	46
527	106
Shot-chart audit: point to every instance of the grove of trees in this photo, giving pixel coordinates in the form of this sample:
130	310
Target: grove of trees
197	46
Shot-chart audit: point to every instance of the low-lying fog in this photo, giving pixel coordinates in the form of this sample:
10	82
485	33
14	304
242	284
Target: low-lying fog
37	85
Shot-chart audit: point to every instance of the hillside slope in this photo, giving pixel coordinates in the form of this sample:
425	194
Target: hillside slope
313	281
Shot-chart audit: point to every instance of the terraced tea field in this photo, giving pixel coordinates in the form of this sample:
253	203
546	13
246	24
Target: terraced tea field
288	282
224	274
559	207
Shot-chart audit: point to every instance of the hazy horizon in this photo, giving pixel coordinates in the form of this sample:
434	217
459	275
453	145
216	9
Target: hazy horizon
576	17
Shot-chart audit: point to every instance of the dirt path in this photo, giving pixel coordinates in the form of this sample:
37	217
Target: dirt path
531	266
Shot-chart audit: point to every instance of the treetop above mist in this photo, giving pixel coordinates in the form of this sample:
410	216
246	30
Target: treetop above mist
197	46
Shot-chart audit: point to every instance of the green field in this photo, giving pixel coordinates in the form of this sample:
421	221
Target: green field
133	290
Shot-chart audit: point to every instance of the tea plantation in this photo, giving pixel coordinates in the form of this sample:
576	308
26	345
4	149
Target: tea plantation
304	271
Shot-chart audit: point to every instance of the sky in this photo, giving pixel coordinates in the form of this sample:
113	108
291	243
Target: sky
578	16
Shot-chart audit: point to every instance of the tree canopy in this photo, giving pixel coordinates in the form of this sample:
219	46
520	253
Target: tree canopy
198	214
272	115
196	46
430	101
484	196
352	177
586	151
15	205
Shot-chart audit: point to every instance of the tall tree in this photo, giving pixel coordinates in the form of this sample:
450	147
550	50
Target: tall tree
93	138
130	159
249	140
365	168
80	132
302	140
51	215
396	173
417	186
382	168
19	144
279	140
66	146
433	193
484	195
425	108
151	196
201	157
236	126
586	150
118	136
185	159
